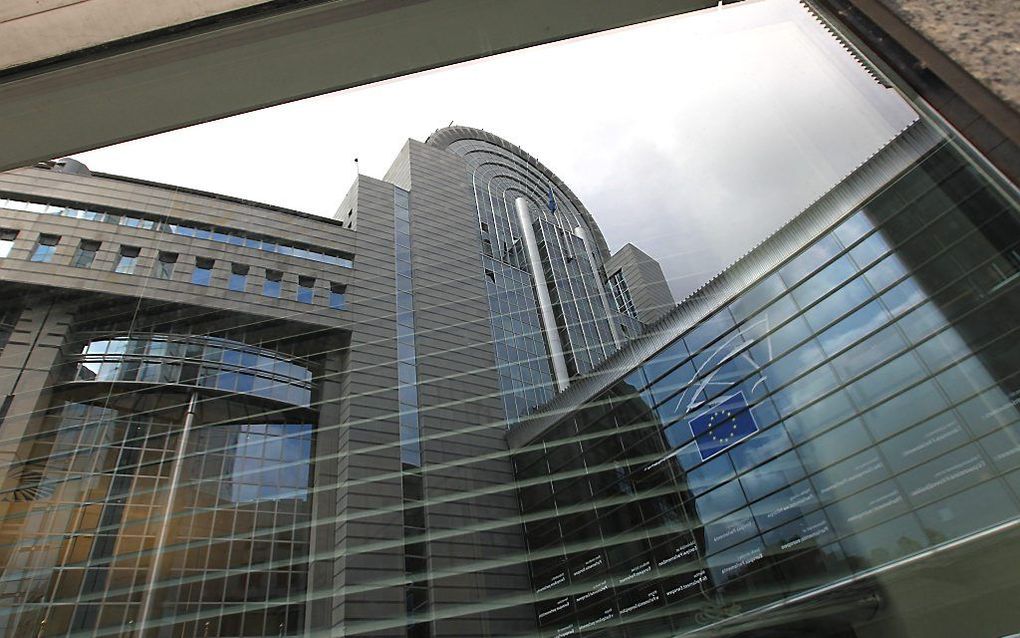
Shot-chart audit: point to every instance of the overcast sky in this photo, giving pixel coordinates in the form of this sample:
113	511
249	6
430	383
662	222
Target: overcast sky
692	137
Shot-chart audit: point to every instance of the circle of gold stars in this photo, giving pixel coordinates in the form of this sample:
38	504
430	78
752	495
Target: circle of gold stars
726	436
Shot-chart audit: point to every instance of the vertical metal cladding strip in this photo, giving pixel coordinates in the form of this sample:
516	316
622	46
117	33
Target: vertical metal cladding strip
583	234
164	528
552	334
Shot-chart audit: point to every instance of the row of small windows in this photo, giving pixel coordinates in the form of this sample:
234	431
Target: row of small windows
127	263
184	229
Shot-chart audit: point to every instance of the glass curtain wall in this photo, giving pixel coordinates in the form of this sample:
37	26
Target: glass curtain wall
166	490
849	413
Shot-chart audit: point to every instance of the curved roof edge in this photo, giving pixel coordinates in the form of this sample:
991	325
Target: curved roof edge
444	137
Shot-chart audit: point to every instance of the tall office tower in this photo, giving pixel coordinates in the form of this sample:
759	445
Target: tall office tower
638	285
223	418
552	312
824	440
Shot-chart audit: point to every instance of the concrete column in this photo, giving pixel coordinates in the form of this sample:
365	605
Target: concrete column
27	367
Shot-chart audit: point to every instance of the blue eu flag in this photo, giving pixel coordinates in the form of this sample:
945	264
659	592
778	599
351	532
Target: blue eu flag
723	425
552	201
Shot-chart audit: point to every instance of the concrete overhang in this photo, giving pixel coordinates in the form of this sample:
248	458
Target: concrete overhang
80	74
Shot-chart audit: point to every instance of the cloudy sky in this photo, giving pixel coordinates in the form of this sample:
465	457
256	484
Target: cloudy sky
692	137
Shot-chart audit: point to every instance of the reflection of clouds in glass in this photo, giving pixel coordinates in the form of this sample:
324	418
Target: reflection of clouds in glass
762	446
271	462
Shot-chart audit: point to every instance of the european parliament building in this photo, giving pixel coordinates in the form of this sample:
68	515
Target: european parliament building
449	410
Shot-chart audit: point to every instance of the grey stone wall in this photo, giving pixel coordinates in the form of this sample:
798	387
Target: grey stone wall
982	36
369	561
116	195
480	584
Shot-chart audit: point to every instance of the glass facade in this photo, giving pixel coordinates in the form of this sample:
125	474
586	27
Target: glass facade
183	510
206	362
573	281
852	412
571	269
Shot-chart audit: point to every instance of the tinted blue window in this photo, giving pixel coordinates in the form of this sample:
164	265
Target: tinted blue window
862	321
788	504
886	272
886	380
237	282
834	445
904	409
44	248
853	228
843	300
760	294
720	501
271	287
306	290
869	353
202	274
338	298
869	250
812	258
824	281
923	442
663	361
708	330
759	448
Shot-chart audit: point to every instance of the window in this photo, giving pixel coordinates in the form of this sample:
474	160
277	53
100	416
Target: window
202	274
337	296
128	260
7	238
45	247
306	289
238	277
85	254
165	265
272	285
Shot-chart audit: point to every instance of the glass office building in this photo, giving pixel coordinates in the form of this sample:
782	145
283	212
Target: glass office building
823	441
543	256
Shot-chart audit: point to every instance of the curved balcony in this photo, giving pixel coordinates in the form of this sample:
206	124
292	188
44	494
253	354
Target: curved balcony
197	361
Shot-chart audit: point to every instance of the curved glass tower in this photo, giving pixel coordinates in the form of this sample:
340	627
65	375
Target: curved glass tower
544	257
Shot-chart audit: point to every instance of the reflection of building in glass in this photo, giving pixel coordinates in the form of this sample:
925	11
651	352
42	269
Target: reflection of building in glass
782	450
